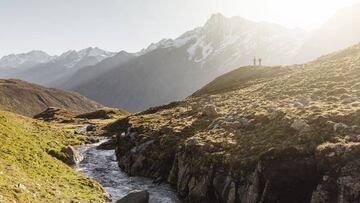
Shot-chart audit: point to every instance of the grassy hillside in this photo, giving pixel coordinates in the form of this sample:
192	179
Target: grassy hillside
29	99
29	174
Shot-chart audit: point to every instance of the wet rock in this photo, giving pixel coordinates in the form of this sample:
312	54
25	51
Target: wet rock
135	197
92	139
85	129
72	156
108	145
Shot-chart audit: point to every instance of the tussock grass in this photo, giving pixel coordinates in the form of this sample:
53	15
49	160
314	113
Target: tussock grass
29	174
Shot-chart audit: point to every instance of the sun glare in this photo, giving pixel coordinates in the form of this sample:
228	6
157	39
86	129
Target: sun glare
308	14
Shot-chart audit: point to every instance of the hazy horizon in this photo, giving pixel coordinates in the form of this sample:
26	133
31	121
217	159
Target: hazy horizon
115	25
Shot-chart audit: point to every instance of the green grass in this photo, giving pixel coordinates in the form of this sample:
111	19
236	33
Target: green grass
29	174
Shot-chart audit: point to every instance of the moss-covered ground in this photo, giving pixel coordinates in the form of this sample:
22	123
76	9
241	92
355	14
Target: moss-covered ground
29	174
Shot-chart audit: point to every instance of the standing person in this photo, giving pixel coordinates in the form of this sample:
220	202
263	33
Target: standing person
254	61
260	61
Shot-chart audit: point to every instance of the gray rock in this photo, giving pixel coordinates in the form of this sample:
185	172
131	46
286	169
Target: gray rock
298	105
72	155
21	186
210	110
93	139
136	196
216	126
340	127
346	99
300	125
85	129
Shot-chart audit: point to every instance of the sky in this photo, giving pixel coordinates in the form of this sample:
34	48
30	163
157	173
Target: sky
57	26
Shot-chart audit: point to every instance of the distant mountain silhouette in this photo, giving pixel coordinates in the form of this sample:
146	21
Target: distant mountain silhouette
29	99
55	71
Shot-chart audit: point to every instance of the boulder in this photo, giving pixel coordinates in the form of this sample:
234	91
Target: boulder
92	140
340	127
137	196
72	156
107	145
210	110
85	129
300	125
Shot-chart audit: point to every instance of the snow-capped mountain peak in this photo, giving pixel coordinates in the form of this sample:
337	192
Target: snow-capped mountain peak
243	38
91	55
25	59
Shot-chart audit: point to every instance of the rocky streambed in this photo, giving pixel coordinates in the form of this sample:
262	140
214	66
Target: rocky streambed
102	166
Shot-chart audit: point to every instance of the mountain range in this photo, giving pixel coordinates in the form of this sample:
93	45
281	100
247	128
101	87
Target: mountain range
175	68
41	68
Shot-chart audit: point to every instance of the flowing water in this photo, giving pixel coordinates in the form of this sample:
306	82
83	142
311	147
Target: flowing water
102	166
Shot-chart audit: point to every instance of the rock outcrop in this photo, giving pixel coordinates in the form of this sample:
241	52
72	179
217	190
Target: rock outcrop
244	140
56	114
71	155
110	144
135	197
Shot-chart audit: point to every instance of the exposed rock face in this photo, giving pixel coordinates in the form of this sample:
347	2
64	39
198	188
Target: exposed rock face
108	145
135	197
258	146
